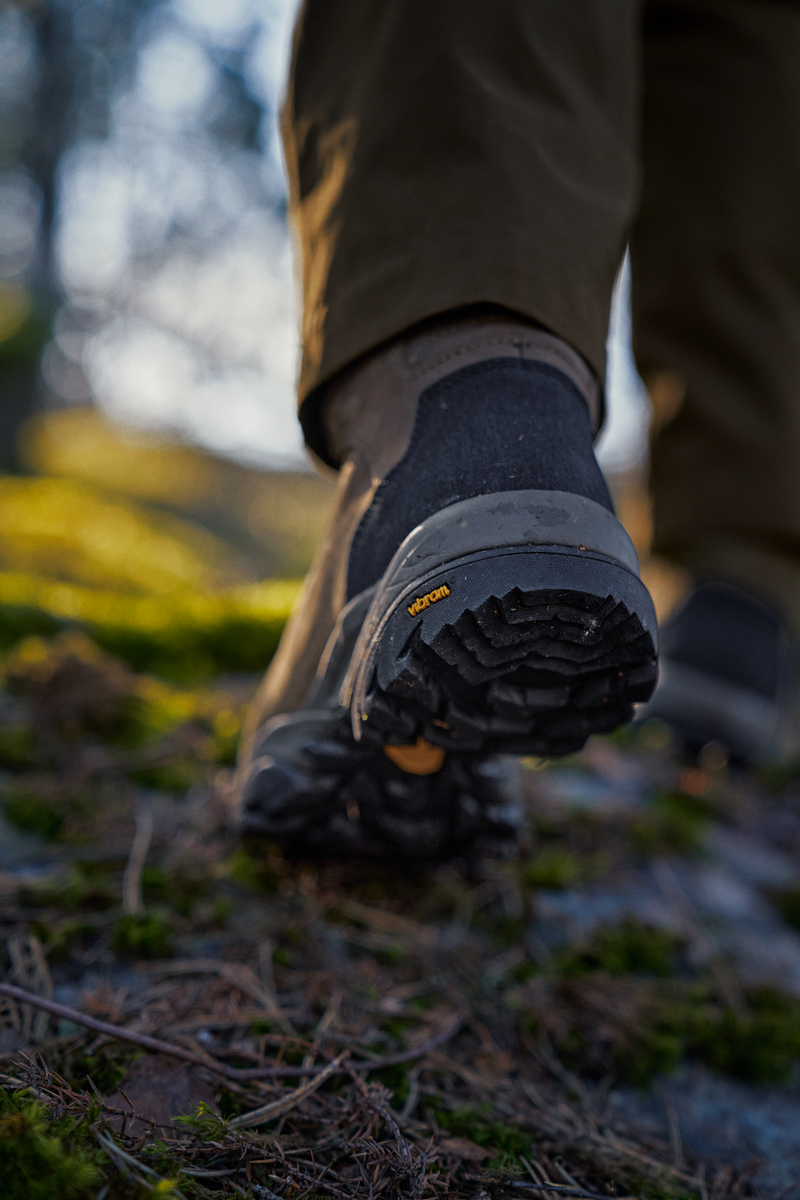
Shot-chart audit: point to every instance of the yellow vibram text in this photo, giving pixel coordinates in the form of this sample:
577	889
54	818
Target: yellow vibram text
428	599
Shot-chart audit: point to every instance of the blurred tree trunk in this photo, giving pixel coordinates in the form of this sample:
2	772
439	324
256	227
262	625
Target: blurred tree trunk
80	48
21	392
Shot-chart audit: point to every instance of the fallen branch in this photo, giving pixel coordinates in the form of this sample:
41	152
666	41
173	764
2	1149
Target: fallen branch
115	1031
238	1074
277	1108
393	1060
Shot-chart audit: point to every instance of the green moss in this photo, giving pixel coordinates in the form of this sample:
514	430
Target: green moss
36	814
105	1068
62	938
657	1187
628	948
760	1044
601	1028
618	1004
672	824
191	644
147	934
524	971
182	636
226	730
182	889
659	1054
18	621
25	342
221	910
87	885
337	915
255	866
90	885
295	935
17	746
554	866
652	735
649	1051
177	776
476	1124
204	1123
376	889
72	688
260	1027
155	882
43	1159
646	1028
47	1157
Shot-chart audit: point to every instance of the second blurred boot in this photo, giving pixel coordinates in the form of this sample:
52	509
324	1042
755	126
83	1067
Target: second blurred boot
723	655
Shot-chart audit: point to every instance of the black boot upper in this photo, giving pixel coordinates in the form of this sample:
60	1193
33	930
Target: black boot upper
728	634
497	426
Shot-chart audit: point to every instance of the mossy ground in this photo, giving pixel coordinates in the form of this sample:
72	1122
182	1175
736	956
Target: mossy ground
45	1158
295	958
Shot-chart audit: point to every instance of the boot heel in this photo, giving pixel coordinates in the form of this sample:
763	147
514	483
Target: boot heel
516	649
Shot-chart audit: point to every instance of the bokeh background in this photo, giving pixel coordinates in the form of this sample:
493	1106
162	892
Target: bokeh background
148	333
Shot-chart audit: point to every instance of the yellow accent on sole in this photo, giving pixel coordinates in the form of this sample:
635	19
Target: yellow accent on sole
426	601
420	759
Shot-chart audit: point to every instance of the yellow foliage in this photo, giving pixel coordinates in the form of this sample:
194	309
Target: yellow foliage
283	512
181	635
82	444
62	529
270	602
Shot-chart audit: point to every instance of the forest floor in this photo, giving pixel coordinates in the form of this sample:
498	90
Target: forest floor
612	1009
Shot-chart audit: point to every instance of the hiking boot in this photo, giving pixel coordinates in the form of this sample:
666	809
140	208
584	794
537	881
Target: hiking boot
475	596
722	660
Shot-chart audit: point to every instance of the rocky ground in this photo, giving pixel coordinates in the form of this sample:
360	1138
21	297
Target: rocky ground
614	1008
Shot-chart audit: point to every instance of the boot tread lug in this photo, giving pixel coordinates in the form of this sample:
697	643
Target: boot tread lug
527	672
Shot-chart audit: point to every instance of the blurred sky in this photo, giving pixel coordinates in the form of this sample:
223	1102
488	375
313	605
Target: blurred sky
171	244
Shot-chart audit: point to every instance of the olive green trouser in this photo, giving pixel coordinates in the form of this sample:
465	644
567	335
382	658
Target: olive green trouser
445	153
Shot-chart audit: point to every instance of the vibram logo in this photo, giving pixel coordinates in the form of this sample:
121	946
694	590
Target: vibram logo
427	600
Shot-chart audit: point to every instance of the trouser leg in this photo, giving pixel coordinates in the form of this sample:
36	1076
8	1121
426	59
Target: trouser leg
452	154
444	158
716	288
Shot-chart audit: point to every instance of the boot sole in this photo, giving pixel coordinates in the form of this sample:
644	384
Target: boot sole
513	649
508	624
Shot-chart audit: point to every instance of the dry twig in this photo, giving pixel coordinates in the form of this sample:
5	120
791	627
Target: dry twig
213	1064
277	1108
132	899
